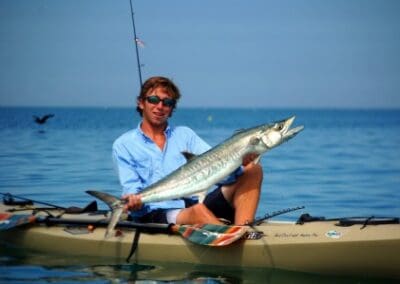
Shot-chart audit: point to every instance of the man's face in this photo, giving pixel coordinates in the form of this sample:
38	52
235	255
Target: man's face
156	107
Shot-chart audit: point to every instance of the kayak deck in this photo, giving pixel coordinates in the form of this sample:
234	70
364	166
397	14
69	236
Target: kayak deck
318	247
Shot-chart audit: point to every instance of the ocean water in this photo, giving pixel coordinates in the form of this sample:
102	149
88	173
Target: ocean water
344	163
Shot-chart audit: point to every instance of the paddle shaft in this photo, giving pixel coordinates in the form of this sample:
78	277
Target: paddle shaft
207	234
148	227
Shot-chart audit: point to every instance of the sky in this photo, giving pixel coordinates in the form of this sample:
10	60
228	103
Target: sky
261	53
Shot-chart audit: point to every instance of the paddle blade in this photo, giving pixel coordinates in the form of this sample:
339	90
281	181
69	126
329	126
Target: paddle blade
211	235
9	221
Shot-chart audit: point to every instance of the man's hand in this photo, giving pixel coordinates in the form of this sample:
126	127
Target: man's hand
249	158
133	202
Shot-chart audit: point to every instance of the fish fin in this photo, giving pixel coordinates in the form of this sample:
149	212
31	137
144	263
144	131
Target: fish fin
114	219
116	205
108	199
189	156
201	196
237	131
257	160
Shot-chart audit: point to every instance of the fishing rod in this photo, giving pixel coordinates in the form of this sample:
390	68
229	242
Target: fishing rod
136	45
8	199
274	214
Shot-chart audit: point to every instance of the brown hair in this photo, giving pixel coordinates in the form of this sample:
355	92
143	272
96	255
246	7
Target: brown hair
158	82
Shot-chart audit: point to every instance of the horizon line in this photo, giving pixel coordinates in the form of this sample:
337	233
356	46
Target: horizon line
217	107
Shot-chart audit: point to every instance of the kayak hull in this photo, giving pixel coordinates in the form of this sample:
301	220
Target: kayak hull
316	247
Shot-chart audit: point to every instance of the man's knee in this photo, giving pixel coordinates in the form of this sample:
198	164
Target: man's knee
254	171
201	211
197	214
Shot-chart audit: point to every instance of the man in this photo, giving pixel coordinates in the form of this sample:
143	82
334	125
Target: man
154	149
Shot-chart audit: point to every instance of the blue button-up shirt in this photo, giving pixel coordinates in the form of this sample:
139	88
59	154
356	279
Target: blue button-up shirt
140	162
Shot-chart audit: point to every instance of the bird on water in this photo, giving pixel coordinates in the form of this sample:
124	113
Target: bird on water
43	119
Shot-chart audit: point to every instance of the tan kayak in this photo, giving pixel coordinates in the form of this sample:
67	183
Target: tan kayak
317	247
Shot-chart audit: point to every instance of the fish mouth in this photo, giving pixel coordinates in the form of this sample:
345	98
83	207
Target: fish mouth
288	132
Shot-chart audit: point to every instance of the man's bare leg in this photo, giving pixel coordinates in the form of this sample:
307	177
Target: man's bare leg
244	194
197	214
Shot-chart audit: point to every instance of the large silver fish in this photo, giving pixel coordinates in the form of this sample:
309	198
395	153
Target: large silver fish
202	172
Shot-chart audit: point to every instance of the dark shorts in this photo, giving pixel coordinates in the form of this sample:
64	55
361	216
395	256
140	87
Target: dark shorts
215	201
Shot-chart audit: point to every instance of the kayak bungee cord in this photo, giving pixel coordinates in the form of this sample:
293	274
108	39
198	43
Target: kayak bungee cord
350	221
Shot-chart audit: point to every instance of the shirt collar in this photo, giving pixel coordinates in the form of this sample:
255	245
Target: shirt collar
167	131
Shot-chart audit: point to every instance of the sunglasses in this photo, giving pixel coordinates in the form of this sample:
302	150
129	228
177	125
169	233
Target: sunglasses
154	100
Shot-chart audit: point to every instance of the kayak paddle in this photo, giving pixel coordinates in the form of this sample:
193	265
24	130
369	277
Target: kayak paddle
208	234
9	221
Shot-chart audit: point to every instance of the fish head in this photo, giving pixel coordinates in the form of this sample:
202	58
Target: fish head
276	133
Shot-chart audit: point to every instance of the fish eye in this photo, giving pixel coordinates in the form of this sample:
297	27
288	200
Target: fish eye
279	126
